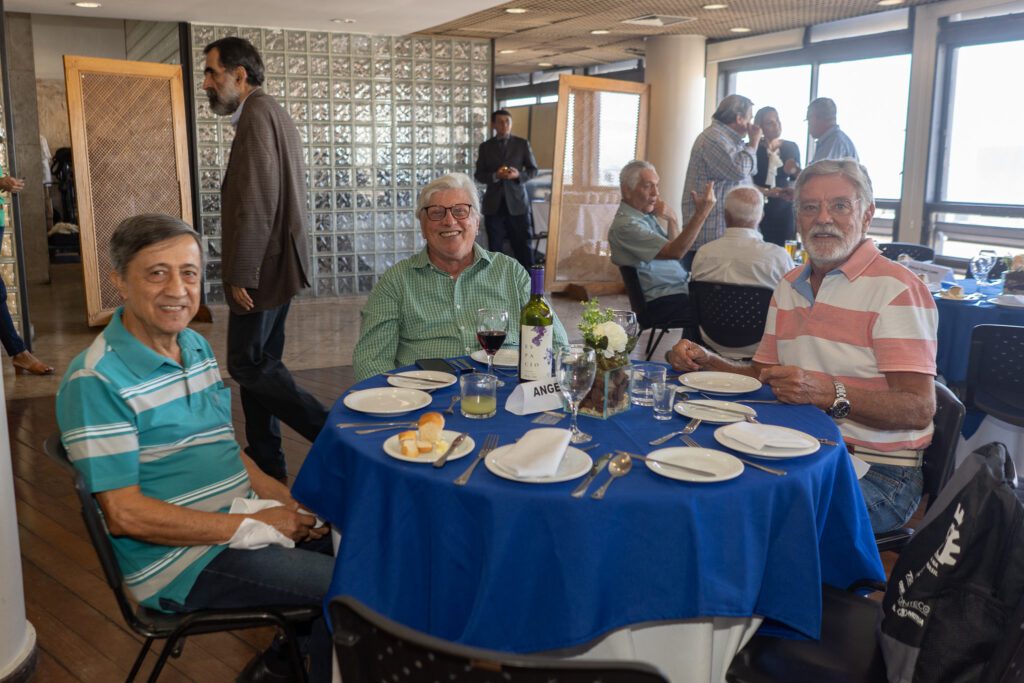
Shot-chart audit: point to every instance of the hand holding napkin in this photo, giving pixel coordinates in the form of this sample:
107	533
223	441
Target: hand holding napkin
253	534
538	453
758	436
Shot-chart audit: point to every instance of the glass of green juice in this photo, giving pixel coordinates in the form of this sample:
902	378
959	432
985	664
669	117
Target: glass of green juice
479	395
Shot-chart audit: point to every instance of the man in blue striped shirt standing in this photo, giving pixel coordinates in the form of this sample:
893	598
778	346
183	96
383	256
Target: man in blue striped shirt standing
146	418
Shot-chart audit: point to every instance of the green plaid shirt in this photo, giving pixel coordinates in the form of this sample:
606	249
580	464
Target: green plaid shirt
418	311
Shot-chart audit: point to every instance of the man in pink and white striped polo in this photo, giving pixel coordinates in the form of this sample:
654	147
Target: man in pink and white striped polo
852	333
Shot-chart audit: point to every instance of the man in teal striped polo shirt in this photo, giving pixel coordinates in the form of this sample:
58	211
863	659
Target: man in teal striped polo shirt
146	418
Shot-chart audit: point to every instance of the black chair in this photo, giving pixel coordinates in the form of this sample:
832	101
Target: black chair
645	319
372	648
995	372
153	625
731	315
918	252
939	459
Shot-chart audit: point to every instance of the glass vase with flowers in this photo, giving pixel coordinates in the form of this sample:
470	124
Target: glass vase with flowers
612	334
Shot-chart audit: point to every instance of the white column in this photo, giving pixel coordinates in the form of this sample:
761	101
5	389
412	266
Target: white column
17	637
675	71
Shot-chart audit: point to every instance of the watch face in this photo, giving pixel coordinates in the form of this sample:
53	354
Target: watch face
840	409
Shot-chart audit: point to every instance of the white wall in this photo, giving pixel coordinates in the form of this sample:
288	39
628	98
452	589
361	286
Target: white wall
55	36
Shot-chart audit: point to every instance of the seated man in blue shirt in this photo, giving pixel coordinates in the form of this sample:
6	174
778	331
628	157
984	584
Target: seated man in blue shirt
637	240
146	419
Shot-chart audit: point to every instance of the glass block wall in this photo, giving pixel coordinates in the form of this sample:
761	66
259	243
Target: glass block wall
380	117
8	249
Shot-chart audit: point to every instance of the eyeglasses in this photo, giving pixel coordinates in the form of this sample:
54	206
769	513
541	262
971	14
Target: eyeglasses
836	207
437	212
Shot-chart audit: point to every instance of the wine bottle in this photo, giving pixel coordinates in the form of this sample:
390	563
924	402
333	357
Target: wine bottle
536	332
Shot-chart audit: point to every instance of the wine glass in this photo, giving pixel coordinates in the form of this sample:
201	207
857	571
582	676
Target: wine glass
491	328
627	320
575	368
982	264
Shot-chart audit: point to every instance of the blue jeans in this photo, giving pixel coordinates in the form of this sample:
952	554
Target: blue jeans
272	576
891	494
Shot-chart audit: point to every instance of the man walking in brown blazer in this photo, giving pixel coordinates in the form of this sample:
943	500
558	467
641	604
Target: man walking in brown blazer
264	260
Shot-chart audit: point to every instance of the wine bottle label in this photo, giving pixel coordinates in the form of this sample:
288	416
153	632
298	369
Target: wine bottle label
535	351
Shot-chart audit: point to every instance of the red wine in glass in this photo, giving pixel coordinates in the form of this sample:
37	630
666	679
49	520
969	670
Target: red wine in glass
491	340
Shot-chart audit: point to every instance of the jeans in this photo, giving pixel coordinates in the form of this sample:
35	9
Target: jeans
517	228
272	576
891	494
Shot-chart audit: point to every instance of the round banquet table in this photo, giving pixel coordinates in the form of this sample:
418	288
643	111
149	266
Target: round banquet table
526	568
956	321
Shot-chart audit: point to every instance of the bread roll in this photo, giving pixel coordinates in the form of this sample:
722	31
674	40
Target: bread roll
431	425
408	444
424	446
956	291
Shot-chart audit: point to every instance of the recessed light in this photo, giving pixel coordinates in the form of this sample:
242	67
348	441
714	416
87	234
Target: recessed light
343	21
887	3
740	29
715	6
544	65
600	32
516	10
505	52
88	5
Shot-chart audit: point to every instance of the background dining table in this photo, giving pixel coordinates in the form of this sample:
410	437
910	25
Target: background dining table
525	567
957	318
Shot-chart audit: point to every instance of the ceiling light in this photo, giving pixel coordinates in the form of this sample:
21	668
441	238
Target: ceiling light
87	5
515	10
716	6
544	65
600	32
505	52
343	21
886	3
740	29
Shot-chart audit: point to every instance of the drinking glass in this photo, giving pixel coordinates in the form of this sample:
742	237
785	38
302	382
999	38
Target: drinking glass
641	378
793	249
575	368
479	395
491	328
631	326
663	394
982	264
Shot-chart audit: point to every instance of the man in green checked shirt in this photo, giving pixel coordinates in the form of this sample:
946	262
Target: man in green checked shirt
425	306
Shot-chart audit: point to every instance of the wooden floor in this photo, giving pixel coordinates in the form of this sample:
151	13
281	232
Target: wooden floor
80	632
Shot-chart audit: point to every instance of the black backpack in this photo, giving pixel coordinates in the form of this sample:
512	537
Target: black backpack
957	584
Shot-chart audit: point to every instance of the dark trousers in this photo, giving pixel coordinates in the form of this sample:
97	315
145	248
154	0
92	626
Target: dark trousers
268	391
516	228
12	341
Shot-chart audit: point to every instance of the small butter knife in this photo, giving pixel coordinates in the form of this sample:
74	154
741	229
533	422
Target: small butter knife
580	490
443	458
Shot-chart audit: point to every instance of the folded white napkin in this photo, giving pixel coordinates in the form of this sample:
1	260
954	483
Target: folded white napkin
253	534
758	436
1012	299
538	453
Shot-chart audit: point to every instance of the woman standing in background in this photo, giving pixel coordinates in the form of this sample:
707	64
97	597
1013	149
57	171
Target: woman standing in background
778	165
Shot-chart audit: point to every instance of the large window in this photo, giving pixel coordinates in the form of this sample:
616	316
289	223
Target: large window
785	88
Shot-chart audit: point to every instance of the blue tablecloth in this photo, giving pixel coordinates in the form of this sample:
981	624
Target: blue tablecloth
523	567
956	320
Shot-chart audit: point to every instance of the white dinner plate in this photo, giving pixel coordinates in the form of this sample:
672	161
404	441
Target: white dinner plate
705	410
394	448
575	464
720	382
723	436
408	379
504	358
387	401
724	466
1006	302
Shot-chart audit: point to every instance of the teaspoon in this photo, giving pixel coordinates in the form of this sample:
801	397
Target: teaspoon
618	466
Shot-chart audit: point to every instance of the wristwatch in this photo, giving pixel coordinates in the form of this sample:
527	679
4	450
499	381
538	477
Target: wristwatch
841	406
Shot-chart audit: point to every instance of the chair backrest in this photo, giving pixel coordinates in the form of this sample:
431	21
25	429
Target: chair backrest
918	252
636	295
940	456
96	528
371	647
731	315
995	372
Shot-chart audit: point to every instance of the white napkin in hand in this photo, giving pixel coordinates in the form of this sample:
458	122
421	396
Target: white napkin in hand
758	436
253	534
538	453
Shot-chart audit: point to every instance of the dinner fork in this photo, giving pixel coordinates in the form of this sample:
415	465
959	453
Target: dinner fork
407	425
690	427
489	445
764	468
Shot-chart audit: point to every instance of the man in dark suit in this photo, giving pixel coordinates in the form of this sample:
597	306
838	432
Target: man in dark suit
264	260
504	164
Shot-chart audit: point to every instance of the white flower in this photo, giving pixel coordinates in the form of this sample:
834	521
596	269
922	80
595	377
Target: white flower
616	338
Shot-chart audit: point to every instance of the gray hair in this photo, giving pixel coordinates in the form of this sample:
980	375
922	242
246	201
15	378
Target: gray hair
847	168
452	181
824	108
744	205
629	176
134	234
731	107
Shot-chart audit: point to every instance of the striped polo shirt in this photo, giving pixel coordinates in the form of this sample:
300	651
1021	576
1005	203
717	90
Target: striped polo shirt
129	416
871	316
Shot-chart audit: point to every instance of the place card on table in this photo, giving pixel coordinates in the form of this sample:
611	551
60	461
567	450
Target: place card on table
534	397
931	272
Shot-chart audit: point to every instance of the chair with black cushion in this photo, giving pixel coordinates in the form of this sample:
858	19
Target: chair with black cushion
372	648
647	322
939	459
731	315
154	625
995	372
918	252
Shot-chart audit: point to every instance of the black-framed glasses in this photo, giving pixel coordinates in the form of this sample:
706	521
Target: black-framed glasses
436	212
836	207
